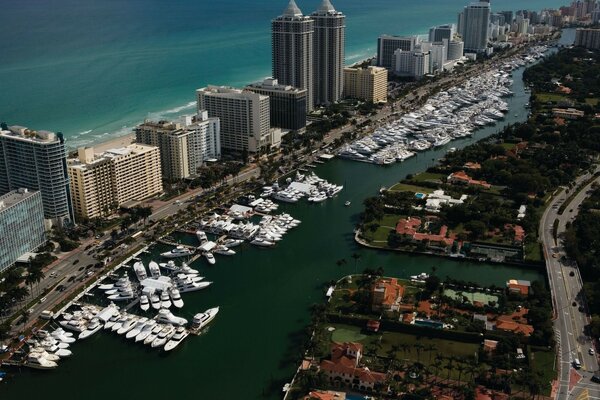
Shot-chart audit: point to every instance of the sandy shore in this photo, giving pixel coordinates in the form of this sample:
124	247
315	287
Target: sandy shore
114	143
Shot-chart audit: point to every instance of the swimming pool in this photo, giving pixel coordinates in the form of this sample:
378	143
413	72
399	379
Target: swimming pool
420	195
429	323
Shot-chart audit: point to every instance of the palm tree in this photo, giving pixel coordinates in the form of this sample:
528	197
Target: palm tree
430	348
460	368
449	366
36	275
418	348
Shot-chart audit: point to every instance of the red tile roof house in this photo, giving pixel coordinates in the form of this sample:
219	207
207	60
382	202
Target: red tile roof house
461	178
387	295
408	228
325	395
343	369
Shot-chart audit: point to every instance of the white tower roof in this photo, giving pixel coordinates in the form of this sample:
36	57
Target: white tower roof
292	10
326	6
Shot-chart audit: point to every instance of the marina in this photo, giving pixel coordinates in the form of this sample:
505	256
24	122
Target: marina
263	296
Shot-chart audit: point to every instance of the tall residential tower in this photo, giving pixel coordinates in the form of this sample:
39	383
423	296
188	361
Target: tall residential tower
329	42
476	19
292	50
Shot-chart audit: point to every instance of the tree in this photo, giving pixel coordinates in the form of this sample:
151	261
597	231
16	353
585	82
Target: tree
432	283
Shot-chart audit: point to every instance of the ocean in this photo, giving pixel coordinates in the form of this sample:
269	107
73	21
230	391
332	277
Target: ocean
95	68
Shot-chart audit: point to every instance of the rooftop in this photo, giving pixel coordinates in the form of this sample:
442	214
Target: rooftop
26	134
16	196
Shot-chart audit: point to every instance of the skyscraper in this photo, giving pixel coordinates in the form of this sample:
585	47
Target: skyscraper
441	32
329	42
292	50
36	160
387	45
287	103
475	26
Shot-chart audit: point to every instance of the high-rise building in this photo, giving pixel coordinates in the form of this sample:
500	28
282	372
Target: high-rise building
292	50
508	16
441	32
100	183
21	225
438	53
36	160
244	116
287	103
387	45
413	63
455	50
329	44
497	18
475	29
184	146
588	38
368	84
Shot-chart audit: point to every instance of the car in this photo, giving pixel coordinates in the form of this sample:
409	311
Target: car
554	255
574	304
43	299
591	351
596	379
71	278
75	262
53	274
571	273
60	288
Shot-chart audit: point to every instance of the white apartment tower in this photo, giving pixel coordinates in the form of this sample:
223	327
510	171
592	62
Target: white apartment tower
292	50
329	43
244	117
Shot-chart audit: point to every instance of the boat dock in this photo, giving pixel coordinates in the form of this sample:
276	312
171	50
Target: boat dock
171	243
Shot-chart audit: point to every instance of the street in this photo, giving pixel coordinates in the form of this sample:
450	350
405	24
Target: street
570	309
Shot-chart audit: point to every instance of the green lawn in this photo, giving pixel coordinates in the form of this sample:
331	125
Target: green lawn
543	362
592	101
554	97
427	176
533	252
386	224
403	187
508	146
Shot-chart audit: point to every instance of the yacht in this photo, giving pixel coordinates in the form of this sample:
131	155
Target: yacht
164	335
144	303
223	250
179	251
146	330
421	277
93	327
180	334
119	324
167	316
176	297
137	328
45	354
189	285
38	361
62	336
111	321
201	235
154	270
229	243
209	257
154	333
126	294
165	300
262	242
127	326
202	319
140	271
155	301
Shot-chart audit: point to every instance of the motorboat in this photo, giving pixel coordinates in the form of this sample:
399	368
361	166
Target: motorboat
144	303
38	361
140	271
167	316
165	300
191	286
209	257
421	277
122	295
111	321
155	301
347	203
202	319
45	354
137	328
93	327
180	334
201	235
176	297
186	269
223	250
154	333
127	326
119	324
163	336
179	251
262	242
62	336
229	243
146	330
154	270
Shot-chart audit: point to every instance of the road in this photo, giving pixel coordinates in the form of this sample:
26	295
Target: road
569	305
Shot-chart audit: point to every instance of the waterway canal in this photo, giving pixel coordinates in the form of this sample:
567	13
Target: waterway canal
254	344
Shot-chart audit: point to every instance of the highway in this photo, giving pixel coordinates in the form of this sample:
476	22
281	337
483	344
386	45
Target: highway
569	304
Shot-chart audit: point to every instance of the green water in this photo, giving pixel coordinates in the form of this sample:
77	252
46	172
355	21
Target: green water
255	342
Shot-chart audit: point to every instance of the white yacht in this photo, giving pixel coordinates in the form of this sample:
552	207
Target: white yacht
137	328
167	316
202	319
154	270
93	327
188	285
38	361
127	326
146	330
117	325
176	297
421	277
229	243
155	301
62	336
180	334
144	303
154	333
223	250
165	300
263	242
201	235
164	335
140	271
209	257
179	251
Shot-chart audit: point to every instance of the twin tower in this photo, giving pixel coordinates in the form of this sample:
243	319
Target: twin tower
308	52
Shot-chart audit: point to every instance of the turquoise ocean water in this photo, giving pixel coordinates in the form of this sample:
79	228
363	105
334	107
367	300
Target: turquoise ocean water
95	68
